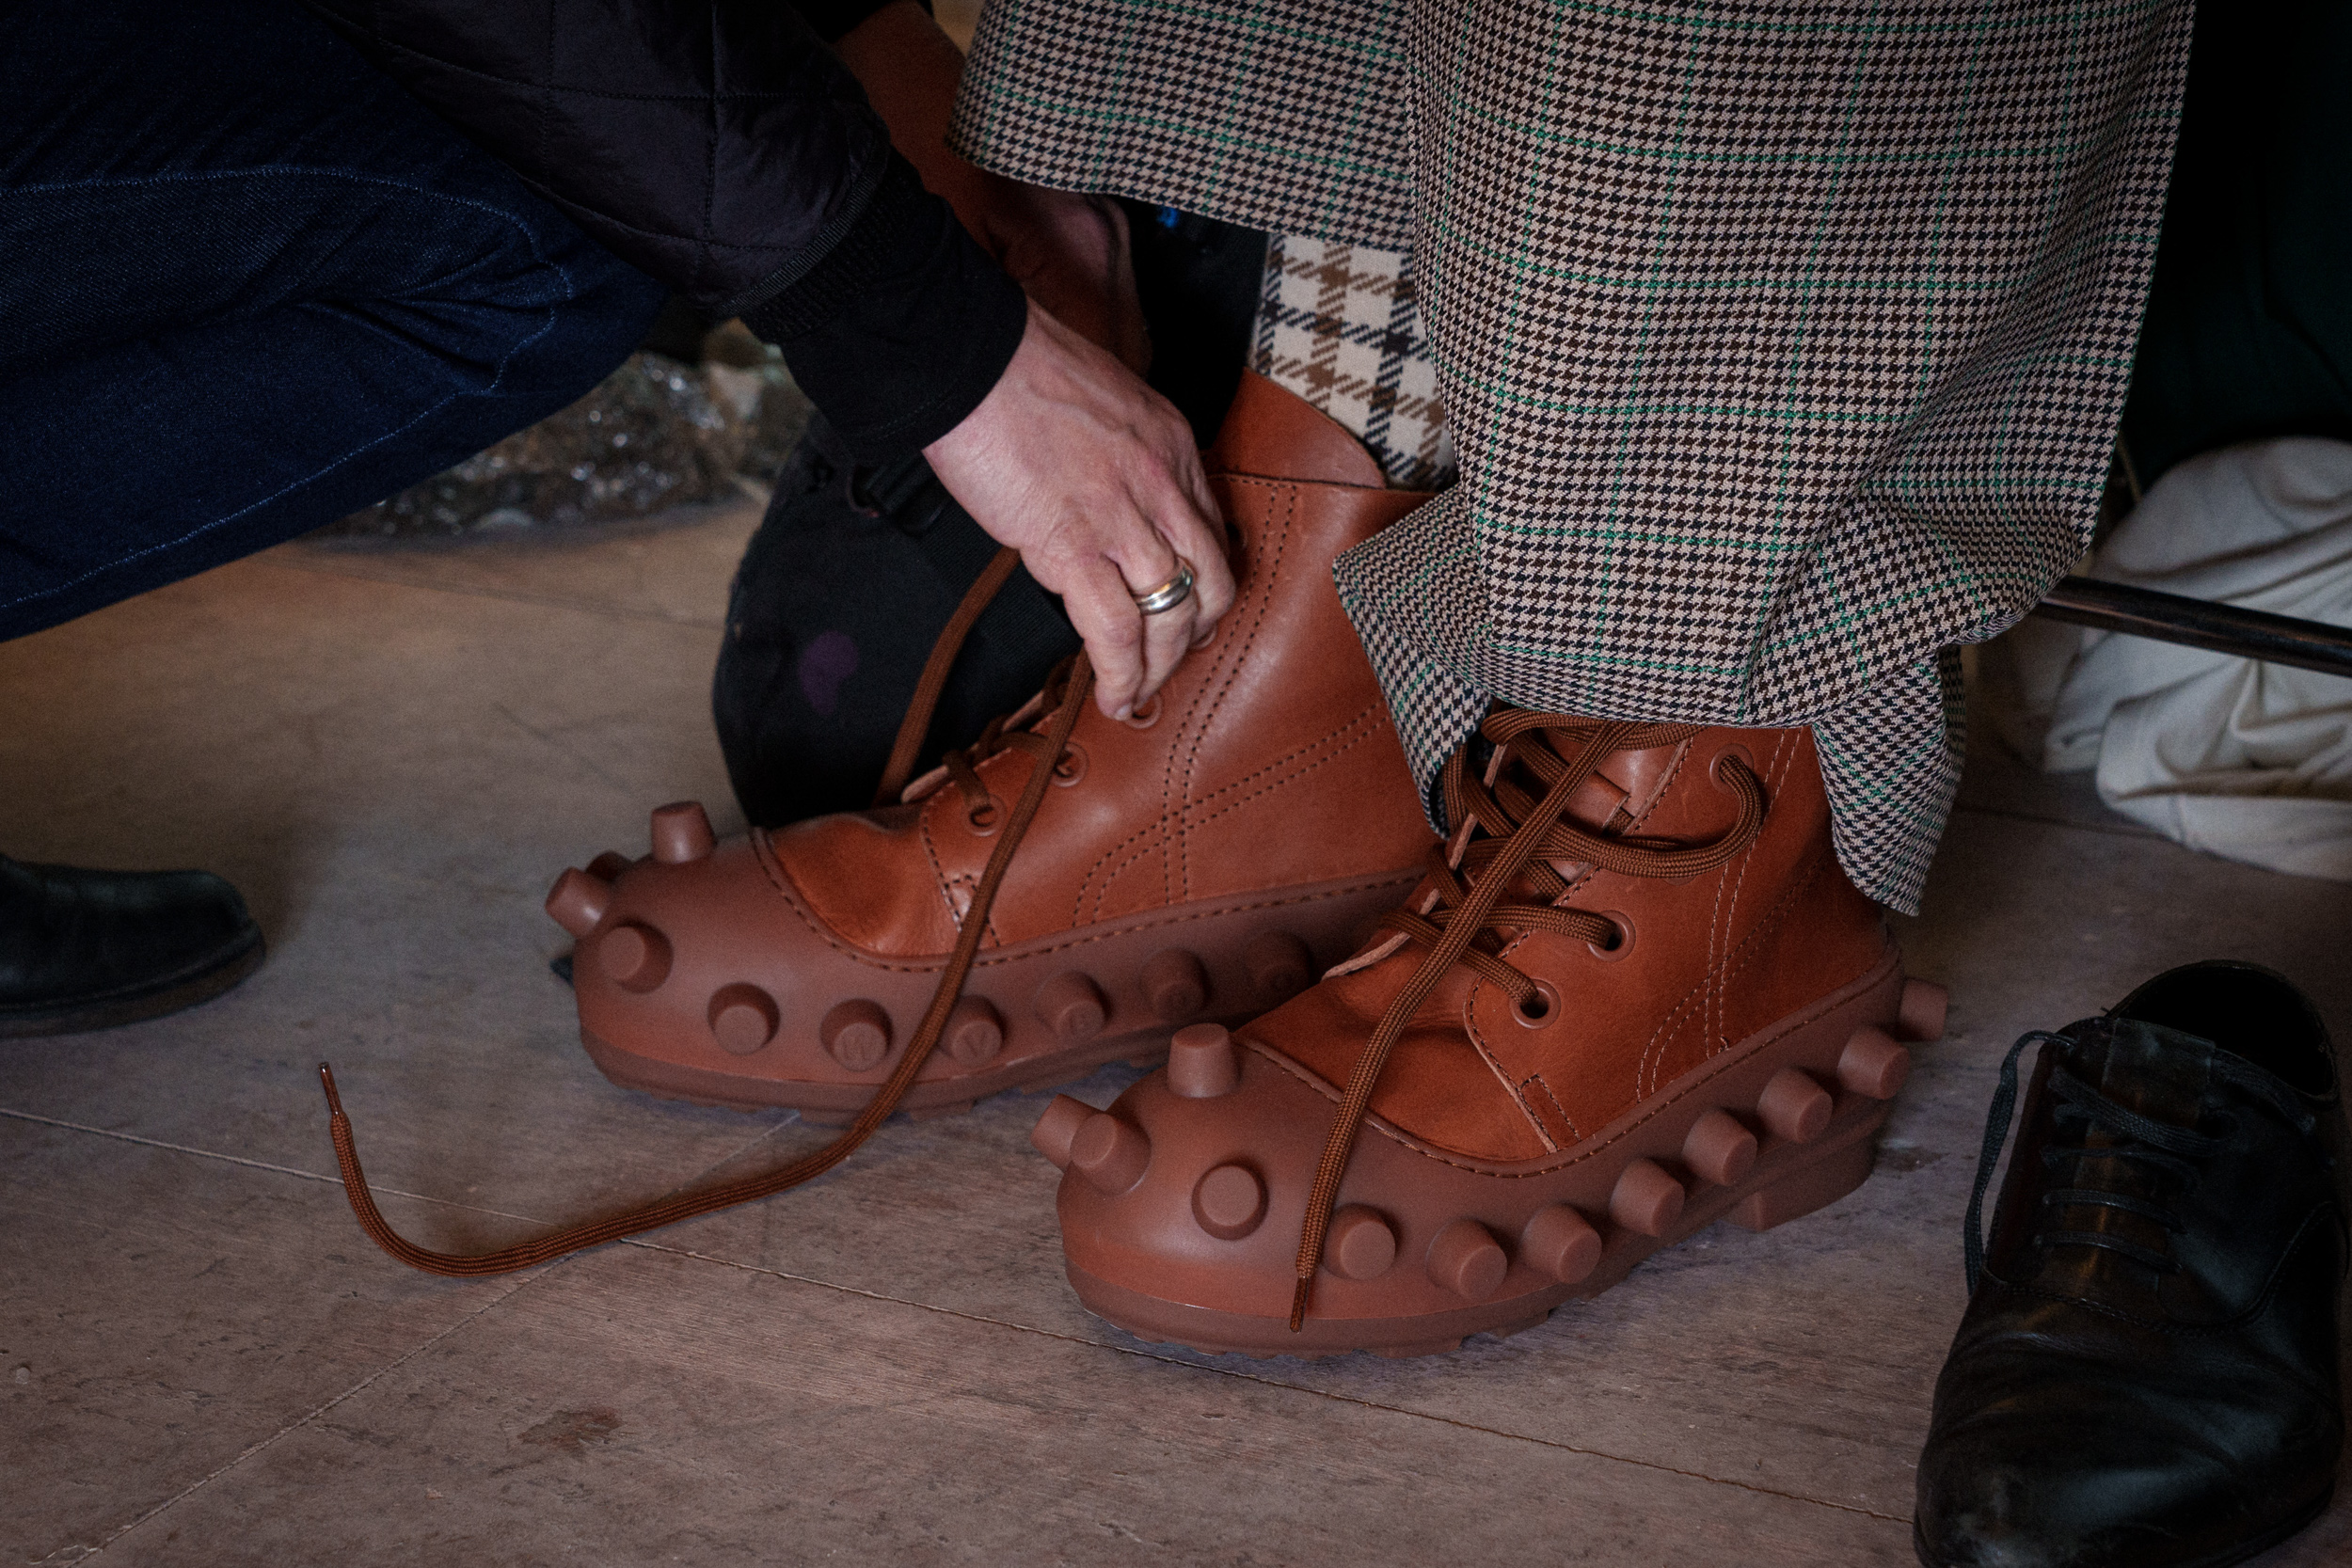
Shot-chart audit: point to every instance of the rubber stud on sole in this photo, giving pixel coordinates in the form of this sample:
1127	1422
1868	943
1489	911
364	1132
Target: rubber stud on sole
1057	1126
742	1018
1229	1202
609	864
634	957
1202	1062
1071	1007
1921	1013
681	833
1279	964
1360	1243
856	1033
1465	1258
1719	1149
1872	1064
577	901
1794	1106
1176	986
1111	1154
1646	1198
1562	1243
974	1032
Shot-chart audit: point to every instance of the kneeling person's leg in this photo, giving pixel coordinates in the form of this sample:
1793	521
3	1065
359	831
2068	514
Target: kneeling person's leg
254	287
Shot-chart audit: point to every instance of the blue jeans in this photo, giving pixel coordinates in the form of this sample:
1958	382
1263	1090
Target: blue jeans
247	286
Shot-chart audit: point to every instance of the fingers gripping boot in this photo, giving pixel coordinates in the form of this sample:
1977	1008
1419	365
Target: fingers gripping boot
1637	1043
1199	862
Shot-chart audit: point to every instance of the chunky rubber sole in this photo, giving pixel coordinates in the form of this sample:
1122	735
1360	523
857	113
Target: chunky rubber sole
134	1004
1034	1014
1785	1120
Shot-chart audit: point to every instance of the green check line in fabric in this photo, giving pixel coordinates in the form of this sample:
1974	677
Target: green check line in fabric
1782	344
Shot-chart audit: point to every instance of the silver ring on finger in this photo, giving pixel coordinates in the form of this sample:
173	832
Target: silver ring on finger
1168	594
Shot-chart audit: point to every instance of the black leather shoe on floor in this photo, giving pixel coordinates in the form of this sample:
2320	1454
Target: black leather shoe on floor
90	949
2147	1374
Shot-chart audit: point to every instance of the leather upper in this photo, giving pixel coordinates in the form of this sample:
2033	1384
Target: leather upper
70	935
2178	1403
1710	961
1266	761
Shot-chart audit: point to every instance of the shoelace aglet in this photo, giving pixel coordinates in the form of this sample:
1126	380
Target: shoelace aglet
1298	1303
334	1101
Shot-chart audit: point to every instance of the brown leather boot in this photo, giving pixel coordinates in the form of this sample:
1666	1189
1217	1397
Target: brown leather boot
1204	860
1637	996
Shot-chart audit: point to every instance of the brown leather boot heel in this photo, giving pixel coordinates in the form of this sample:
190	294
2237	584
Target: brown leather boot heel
1205	860
1636	997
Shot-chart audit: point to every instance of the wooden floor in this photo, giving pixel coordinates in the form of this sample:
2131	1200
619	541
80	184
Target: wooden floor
203	1361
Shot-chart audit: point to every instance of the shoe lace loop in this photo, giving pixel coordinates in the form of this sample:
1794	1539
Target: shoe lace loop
1509	829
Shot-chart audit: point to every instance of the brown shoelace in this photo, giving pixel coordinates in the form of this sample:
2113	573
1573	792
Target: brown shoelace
1063	700
907	748
1505	838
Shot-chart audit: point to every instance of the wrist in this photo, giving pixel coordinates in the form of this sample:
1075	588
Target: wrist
899	343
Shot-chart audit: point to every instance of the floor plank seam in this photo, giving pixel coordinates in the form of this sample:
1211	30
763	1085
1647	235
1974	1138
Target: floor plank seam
1146	1354
331	1180
597	609
560	749
176	1148
192	1488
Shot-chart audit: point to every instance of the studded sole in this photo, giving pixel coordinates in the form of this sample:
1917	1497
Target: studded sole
1594	1219
1051	1010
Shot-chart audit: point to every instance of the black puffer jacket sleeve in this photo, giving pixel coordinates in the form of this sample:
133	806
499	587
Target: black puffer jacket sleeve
719	145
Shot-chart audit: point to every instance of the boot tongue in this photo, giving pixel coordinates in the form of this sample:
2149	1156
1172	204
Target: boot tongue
2154	1072
1619	782
2160	1074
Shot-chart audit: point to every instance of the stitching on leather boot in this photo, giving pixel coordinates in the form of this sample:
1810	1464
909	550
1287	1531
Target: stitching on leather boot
1802	1019
1654	1053
1502	1075
1535	1080
1205	703
1274	553
1111	875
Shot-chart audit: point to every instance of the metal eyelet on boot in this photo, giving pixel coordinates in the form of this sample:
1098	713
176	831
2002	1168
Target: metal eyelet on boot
1071	766
1539	1010
1624	923
1735	751
1146	715
986	817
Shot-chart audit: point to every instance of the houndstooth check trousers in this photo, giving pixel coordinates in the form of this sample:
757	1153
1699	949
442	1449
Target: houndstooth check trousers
1781	343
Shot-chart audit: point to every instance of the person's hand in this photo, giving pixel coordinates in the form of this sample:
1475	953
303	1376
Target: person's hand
1068	250
1092	477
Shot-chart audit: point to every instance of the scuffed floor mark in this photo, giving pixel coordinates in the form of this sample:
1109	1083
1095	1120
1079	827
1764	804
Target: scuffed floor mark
572	1431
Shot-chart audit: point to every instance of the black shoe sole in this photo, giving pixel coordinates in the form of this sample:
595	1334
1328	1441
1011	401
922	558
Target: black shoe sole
134	1005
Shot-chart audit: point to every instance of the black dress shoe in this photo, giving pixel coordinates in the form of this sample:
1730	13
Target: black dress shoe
2147	1374
90	949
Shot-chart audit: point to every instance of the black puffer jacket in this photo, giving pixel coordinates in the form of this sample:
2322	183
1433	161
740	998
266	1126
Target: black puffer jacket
719	145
